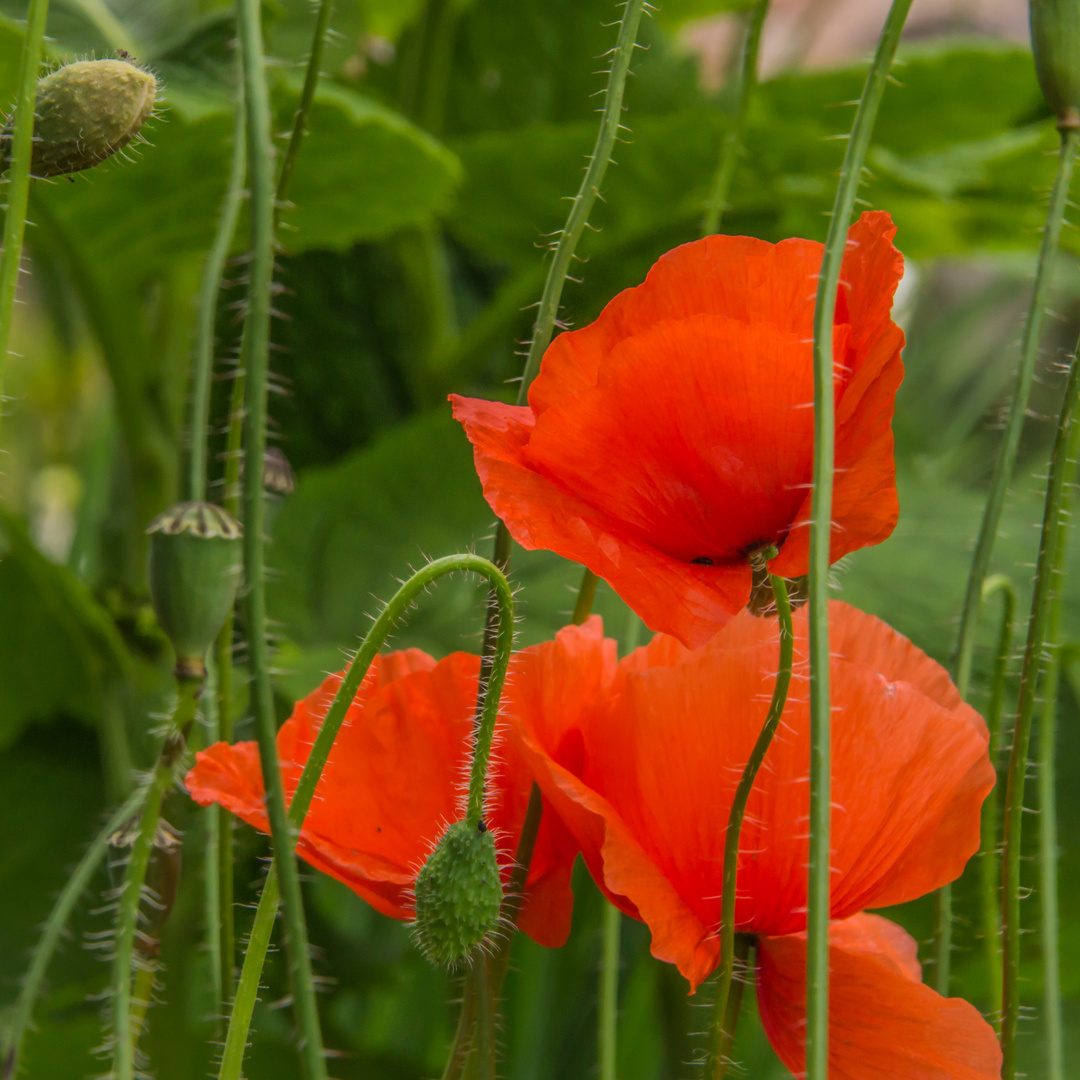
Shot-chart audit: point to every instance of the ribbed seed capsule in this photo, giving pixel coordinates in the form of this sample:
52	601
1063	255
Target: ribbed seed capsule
458	895
195	564
85	112
1055	44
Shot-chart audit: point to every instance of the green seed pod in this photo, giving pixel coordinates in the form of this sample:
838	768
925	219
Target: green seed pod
458	895
195	563
1055	43
85	112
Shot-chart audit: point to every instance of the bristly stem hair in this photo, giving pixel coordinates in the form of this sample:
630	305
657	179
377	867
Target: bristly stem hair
392	613
18	179
732	145
254	360
817	960
1049	575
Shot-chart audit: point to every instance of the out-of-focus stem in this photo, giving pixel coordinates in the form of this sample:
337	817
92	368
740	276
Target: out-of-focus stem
989	870
1048	581
733	141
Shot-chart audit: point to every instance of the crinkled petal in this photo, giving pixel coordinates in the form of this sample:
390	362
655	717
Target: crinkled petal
884	1024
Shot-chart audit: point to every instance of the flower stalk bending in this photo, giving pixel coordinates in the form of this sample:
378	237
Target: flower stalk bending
722	1032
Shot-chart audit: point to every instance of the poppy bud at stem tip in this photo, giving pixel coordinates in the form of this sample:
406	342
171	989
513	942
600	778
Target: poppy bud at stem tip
195	564
85	112
1055	44
458	895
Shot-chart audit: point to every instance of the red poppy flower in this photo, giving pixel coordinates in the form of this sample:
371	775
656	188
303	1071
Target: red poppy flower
396	774
645	778
669	439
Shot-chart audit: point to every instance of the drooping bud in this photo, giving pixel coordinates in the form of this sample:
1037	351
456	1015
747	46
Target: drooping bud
84	113
195	563
1055	44
458	895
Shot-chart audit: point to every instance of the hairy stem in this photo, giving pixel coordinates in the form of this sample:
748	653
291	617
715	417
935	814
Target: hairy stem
19	154
209	289
818	900
720	1036
255	955
127	922
609	992
733	141
989	870
1049	575
53	930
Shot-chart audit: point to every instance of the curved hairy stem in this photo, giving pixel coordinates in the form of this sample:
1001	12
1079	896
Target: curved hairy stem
720	1036
817	929
259	941
18	180
1048	579
733	141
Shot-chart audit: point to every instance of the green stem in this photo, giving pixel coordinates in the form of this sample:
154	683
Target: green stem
729	1019
462	1047
307	96
127	923
610	122
733	140
943	926
248	987
209	290
254	360
212	868
1048	578
19	161
818	900
720	1036
609	991
586	596
1048	859
990	872
223	820
54	927
1014	423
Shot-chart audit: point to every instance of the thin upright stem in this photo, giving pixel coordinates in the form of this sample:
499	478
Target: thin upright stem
392	613
818	899
1014	423
1049	575
54	927
307	96
254	359
125	1031
732	145
209	289
989	870
609	992
610	122
719	1037
18	183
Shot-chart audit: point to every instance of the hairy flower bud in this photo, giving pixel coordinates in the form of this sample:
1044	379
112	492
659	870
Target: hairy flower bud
84	113
458	895
195	563
1055	43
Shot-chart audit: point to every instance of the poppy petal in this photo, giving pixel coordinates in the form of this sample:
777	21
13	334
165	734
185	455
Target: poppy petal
884	1024
689	601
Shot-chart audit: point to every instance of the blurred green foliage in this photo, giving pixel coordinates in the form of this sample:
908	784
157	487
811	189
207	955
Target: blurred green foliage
434	171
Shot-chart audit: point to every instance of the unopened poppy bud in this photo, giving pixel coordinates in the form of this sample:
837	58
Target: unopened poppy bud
458	895
195	563
1055	44
84	113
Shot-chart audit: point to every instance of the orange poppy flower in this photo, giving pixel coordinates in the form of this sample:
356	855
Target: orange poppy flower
396	774
672	437
645	778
